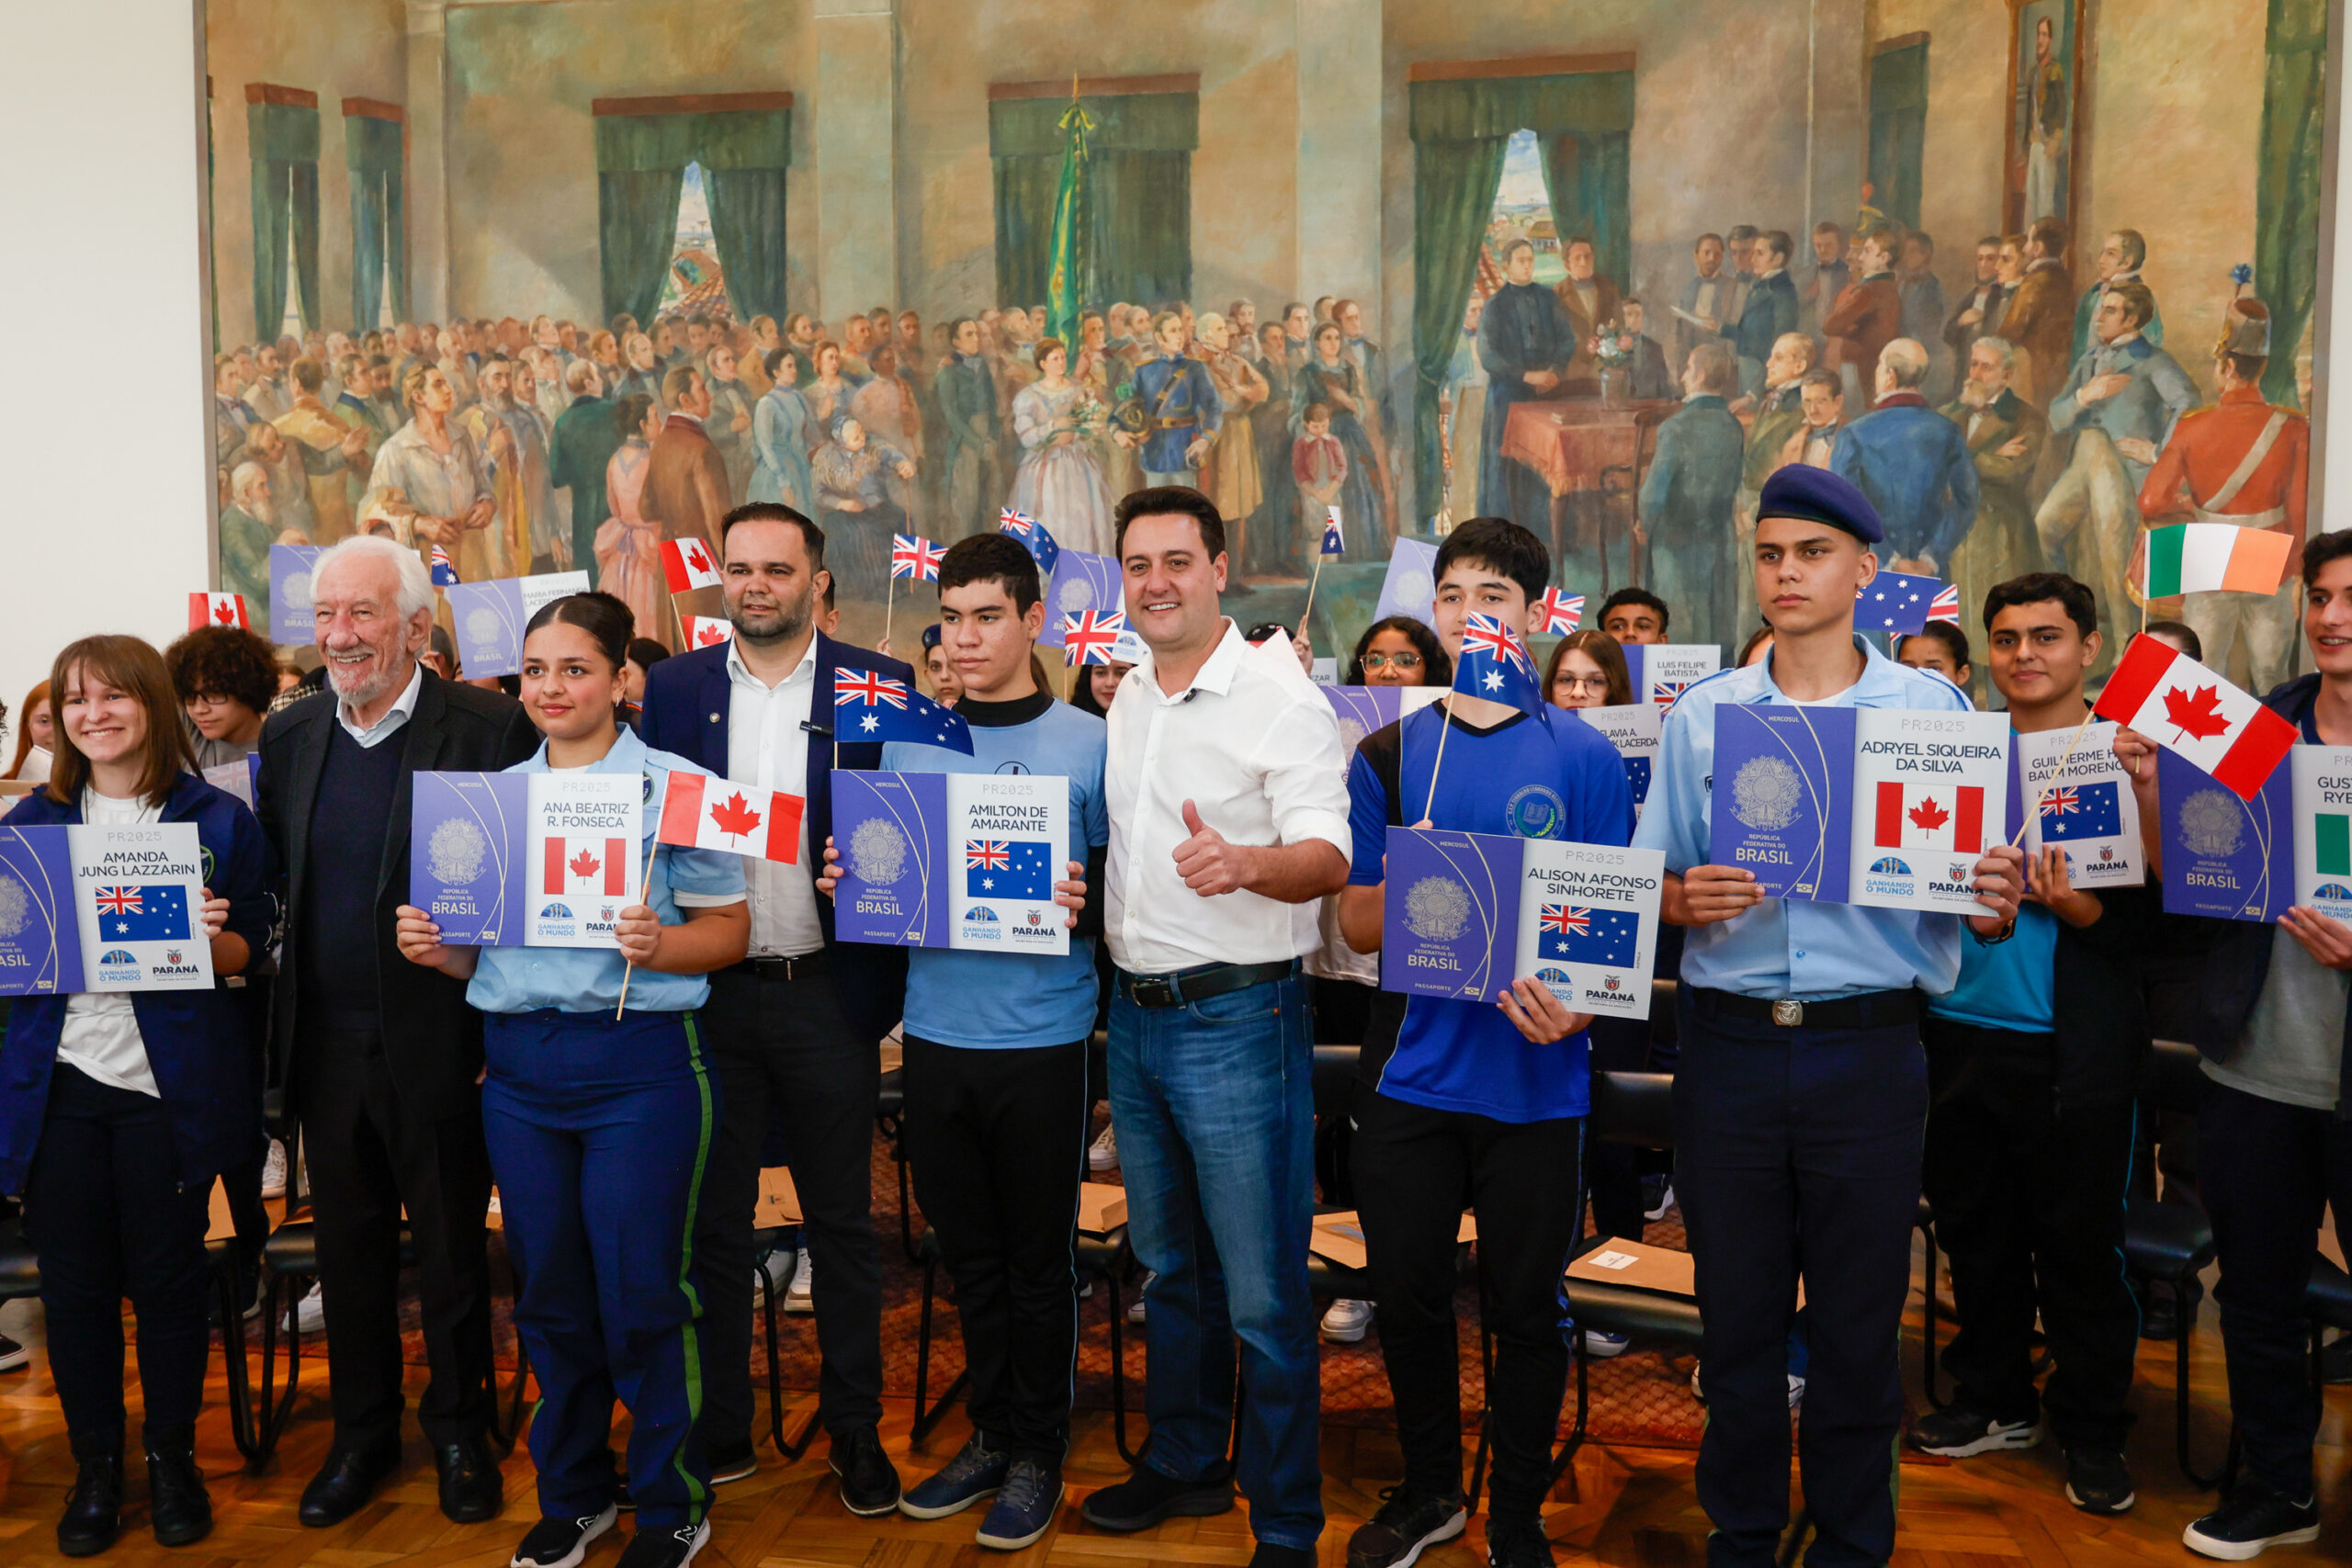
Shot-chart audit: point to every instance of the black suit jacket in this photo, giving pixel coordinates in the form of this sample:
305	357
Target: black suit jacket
431	1037
686	702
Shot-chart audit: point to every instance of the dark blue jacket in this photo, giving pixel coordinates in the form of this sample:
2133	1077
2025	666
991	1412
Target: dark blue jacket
685	711
202	1045
1770	310
1914	465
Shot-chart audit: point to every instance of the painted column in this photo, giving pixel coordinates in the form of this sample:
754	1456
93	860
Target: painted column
1838	128
853	107
425	182
1339	155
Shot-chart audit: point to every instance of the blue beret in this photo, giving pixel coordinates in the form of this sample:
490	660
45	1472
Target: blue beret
1817	495
931	636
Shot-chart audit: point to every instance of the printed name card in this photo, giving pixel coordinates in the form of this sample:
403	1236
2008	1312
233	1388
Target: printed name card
1634	730
138	904
1465	914
1664	670
526	860
292	622
489	617
2249	860
2087	806
963	861
40	932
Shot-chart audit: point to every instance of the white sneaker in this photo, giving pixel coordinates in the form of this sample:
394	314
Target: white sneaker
273	1171
1664	1202
1134	1313
774	1272
1599	1344
1347	1320
1103	1152
800	1300
310	1313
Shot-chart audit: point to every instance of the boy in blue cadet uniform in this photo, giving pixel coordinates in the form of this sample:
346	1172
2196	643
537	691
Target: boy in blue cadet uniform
1484	1099
2273	1138
2030	1122
997	1109
1800	1099
600	1122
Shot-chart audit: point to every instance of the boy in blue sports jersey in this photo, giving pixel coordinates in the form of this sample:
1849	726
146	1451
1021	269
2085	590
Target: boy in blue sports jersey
998	1107
1476	1098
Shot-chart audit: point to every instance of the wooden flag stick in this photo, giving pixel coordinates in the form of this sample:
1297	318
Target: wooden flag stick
1317	576
684	643
1429	806
644	881
2043	792
890	601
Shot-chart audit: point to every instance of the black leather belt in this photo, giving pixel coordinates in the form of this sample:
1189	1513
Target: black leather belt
1200	984
1870	1009
798	968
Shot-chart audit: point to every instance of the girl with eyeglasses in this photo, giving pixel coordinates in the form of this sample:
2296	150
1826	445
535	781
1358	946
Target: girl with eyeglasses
1588	671
1399	651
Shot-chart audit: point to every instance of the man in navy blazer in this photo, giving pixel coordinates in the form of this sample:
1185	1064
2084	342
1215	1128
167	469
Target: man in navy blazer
795	1029
1913	464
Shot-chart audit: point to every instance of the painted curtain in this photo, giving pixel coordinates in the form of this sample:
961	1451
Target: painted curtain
1899	130
1583	122
2287	188
1138	244
641	171
282	128
371	149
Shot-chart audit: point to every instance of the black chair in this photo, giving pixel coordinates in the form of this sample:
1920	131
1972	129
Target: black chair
2174	1242
2328	1303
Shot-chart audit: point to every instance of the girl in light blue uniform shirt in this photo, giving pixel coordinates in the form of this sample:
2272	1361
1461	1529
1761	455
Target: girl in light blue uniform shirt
599	1126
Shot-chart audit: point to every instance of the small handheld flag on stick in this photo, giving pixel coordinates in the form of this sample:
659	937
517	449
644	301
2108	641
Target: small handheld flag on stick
2214	558
910	556
1557	614
706	631
1032	536
1494	666
644	882
2172	699
444	569
217	610
1334	546
1089	635
686	565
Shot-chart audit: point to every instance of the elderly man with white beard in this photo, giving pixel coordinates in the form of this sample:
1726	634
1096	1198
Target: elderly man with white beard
381	1059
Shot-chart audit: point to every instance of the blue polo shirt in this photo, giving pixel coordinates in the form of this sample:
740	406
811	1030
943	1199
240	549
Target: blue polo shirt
1792	947
1524	777
588	979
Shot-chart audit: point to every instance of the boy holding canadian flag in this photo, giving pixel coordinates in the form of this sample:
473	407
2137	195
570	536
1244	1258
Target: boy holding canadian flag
2270	1021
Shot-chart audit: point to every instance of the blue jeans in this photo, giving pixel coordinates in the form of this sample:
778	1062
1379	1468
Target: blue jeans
1216	1110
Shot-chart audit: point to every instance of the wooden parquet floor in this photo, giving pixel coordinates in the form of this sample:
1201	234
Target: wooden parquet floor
1630	1507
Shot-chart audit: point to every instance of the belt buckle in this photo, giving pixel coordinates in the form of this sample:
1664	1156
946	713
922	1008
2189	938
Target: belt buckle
1153	991
1788	1012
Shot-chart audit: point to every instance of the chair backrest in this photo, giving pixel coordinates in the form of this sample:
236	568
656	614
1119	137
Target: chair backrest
1335	1078
1665	1028
1633	1107
2171	1079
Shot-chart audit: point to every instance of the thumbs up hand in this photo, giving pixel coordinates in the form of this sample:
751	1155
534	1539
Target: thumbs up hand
1208	864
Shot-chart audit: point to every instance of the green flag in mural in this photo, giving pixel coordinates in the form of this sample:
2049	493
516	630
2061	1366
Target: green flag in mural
1063	282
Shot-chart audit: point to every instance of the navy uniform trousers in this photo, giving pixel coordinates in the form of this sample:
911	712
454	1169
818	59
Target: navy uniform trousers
1798	1148
598	1132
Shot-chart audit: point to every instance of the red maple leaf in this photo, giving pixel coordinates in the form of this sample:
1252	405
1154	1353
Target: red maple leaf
695	559
734	818
223	613
2195	713
1928	814
583	865
707	634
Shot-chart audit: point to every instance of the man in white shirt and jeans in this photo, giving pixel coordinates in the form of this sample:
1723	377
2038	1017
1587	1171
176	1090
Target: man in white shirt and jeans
1228	820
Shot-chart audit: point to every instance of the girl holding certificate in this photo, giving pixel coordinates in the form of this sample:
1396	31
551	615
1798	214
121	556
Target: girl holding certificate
598	1125
121	1108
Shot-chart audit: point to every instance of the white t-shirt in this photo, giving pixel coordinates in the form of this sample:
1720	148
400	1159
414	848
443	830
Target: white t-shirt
101	1033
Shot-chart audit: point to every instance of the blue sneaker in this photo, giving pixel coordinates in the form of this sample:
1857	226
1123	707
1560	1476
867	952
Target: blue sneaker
1023	1508
975	1473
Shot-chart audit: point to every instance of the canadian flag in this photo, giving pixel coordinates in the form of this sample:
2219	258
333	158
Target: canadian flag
1930	817
2187	708
707	631
687	564
699	812
587	865
218	610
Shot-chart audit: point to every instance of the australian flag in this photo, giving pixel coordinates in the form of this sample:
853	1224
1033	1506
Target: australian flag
2081	811
1897	604
871	706
1637	775
1334	546
1494	665
1008	868
445	571
1032	536
150	912
1574	934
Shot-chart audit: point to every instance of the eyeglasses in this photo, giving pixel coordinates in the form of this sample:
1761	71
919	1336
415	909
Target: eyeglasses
1384	660
1581	682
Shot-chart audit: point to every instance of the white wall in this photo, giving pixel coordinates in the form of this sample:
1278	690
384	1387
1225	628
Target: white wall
108	516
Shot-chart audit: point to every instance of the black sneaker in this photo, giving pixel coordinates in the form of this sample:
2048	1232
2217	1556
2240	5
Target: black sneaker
561	1543
1270	1555
1024	1506
666	1548
2098	1481
734	1466
975	1473
1517	1540
869	1484
1145	1498
1961	1429
2253	1518
1406	1522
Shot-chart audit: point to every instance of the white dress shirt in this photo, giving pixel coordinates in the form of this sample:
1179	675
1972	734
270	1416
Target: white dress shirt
767	746
1256	749
395	718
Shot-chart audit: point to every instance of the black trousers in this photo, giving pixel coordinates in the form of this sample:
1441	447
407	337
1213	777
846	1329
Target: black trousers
2028	1199
1614	1170
996	1140
783	1049
1416	1169
369	1157
1798	1150
108	1218
2269	1169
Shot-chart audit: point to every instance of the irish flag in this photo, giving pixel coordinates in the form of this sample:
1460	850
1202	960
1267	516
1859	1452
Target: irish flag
2214	558
2177	703
699	812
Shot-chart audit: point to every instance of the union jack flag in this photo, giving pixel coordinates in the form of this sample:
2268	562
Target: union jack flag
916	557
2060	801
118	900
1488	635
986	854
1032	536
1567	922
444	569
1556	613
1665	692
1089	635
1012	522
867	689
1945	606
